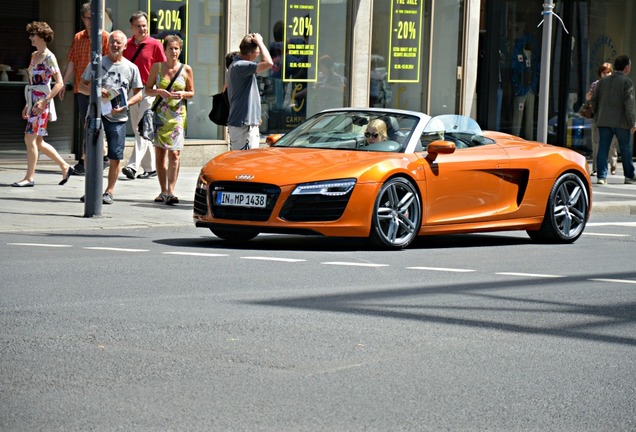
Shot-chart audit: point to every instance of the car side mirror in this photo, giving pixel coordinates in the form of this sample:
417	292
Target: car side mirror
439	147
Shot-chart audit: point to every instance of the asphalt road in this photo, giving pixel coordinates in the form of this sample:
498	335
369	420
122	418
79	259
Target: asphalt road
173	329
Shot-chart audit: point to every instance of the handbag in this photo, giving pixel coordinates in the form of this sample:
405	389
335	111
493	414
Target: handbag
148	123
586	110
220	108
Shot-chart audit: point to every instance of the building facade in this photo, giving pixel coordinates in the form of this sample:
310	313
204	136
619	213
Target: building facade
472	57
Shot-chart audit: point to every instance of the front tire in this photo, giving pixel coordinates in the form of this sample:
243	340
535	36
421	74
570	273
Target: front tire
566	212
397	214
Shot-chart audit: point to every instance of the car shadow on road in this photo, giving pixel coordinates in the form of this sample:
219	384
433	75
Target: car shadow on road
283	242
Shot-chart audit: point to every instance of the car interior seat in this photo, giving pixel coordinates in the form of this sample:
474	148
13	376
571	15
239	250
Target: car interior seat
393	129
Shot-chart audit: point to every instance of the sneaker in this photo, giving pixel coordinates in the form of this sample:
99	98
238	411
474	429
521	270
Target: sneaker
601	181
107	198
79	169
129	172
630	180
147	174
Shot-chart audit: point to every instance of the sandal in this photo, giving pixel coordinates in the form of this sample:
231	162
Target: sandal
161	197
171	199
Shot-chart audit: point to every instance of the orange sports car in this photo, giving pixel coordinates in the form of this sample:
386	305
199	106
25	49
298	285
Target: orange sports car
391	175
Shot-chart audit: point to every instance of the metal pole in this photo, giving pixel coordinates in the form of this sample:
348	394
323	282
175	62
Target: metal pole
94	131
544	83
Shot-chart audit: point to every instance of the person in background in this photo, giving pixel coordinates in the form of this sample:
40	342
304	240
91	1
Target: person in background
119	75
330	88
171	114
39	108
242	87
376	131
615	114
78	57
604	70
143	51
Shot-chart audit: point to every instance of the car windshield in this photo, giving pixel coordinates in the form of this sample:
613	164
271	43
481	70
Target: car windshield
353	130
463	131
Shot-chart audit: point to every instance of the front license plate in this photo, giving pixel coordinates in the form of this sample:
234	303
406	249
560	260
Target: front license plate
239	199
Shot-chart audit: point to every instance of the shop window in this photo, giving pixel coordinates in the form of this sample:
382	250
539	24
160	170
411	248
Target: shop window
202	26
310	53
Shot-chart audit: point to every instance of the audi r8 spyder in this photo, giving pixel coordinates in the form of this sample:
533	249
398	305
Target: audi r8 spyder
425	175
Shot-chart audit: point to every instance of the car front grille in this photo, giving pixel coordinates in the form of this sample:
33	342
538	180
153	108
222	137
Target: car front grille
314	208
243	213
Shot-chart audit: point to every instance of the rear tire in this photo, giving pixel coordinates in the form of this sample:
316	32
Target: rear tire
397	214
566	212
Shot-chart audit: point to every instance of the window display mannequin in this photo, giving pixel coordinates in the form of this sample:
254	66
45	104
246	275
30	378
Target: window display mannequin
524	70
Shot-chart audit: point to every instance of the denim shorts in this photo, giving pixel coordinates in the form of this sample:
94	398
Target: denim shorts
115	133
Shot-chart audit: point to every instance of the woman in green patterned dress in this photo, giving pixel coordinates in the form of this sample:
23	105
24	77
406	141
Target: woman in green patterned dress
170	114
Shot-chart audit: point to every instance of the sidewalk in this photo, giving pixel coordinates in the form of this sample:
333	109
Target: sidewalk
50	207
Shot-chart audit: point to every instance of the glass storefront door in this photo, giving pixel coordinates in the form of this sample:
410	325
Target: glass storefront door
401	33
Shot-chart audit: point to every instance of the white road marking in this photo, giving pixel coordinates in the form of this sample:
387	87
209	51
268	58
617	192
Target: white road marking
354	264
40	245
116	249
274	259
605	235
442	269
528	275
623	224
627	281
614	194
195	254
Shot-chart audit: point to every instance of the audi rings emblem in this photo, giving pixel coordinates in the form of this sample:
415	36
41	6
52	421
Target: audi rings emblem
244	177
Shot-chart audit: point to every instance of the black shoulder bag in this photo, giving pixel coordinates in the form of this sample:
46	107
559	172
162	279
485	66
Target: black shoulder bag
220	108
147	124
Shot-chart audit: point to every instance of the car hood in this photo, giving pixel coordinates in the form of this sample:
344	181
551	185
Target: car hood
296	165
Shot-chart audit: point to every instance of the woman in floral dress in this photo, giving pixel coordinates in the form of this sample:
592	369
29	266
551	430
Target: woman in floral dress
170	114
39	108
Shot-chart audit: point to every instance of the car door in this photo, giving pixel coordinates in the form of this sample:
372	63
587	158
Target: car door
468	185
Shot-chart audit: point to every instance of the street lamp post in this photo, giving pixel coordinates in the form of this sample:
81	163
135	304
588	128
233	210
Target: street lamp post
544	84
94	130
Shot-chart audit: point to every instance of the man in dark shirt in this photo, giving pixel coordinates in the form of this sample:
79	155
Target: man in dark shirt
615	114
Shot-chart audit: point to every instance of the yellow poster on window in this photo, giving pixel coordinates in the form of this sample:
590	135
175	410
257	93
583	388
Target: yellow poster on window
405	46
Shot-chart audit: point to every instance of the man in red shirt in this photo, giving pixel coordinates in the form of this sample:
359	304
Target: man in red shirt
143	51
76	61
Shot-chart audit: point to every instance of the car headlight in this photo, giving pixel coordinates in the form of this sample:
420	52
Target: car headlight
327	188
201	184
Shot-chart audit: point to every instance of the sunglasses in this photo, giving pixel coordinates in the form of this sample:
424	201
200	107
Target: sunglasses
371	135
